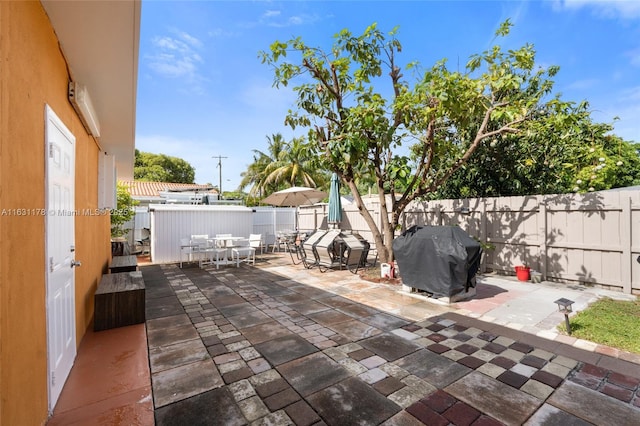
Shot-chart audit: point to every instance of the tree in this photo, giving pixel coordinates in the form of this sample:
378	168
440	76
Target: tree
297	165
604	161
162	168
123	212
414	142
255	175
286	164
565	157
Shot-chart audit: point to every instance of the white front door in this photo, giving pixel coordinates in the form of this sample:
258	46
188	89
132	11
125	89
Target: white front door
60	252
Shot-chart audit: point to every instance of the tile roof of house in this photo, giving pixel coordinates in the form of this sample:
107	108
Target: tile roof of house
141	189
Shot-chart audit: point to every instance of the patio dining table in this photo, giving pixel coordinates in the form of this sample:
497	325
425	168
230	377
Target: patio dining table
228	243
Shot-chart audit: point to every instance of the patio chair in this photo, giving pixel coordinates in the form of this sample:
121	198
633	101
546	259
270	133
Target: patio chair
352	256
198	243
222	242
185	249
206	250
292	246
307	250
281	240
255	241
325	251
145	240
247	251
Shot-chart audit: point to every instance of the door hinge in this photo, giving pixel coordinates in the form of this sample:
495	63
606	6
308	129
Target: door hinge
51	149
51	264
53	379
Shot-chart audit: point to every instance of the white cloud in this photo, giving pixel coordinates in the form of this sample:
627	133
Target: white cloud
271	13
177	56
190	39
634	56
631	94
625	9
625	105
582	84
296	20
221	33
274	18
262	95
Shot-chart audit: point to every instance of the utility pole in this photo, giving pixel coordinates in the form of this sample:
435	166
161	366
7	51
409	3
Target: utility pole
219	157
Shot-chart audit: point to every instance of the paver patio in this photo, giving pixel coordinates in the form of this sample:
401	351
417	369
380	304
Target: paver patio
278	344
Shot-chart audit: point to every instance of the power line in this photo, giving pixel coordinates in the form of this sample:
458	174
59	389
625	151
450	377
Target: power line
219	157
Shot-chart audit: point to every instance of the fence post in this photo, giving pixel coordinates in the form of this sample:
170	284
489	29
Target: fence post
483	232
542	231
625	241
274	219
438	216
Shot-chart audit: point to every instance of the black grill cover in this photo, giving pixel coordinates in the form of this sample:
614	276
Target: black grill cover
442	260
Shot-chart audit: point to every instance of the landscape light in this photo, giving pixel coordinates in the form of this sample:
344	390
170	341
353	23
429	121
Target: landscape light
564	306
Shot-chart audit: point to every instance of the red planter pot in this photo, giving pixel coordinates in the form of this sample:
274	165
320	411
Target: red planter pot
523	273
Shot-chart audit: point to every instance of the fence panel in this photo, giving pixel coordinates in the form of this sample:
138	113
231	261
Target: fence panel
171	223
590	238
268	221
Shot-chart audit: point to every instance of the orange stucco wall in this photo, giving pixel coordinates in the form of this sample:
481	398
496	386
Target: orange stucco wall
33	73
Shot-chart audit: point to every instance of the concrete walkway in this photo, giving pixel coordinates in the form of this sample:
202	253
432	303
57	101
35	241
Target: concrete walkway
277	344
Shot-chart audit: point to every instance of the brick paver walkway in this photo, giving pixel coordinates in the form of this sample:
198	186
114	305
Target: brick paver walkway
276	344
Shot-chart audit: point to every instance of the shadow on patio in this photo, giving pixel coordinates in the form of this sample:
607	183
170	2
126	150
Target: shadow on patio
279	344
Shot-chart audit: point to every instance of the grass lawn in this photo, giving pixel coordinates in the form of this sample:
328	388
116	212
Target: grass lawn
609	322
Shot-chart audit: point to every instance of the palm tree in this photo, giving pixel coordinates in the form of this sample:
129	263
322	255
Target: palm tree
286	164
255	174
296	166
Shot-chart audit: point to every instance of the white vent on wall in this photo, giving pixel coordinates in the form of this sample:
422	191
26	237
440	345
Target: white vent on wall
107	182
79	98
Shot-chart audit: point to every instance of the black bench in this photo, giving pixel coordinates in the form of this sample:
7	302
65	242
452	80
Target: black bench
125	263
119	300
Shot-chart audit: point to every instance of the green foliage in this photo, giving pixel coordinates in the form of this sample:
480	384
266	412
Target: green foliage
252	201
609	322
286	164
562	151
233	195
162	168
605	162
440	120
123	212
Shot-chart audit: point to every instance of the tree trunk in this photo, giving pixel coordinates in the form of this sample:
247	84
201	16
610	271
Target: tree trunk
383	251
383	239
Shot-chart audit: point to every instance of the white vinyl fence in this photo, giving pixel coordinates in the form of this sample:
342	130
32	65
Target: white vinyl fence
269	221
588	238
169	223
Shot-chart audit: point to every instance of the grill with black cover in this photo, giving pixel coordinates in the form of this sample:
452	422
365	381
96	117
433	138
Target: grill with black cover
441	260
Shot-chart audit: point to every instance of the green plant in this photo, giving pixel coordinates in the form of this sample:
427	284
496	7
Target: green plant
123	212
486	245
409	142
609	322
162	168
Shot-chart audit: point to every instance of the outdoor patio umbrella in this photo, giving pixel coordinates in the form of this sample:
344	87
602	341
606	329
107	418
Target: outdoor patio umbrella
295	196
335	205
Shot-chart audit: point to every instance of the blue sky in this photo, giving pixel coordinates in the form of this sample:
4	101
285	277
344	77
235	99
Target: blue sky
202	91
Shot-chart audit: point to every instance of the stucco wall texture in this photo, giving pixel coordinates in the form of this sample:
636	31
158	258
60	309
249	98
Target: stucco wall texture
33	73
